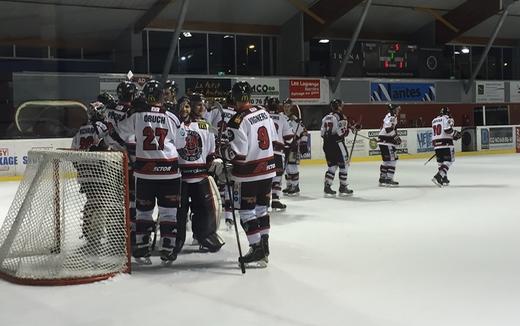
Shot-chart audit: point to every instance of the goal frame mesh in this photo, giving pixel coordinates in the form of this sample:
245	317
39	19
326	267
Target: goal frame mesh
59	220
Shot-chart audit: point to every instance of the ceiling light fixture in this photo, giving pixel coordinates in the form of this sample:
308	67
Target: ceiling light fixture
324	41
186	34
465	50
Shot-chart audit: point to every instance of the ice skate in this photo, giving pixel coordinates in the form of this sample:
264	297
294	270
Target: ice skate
212	243
265	244
255	257
437	180
168	256
277	206
142	253
383	182
328	192
286	190
392	183
445	181
294	191
345	192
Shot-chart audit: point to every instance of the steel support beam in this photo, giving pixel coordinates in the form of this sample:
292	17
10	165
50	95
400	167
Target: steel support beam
469	83
175	40
351	45
464	17
151	14
329	11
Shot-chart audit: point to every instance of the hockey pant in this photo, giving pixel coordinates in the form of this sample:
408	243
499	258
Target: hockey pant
197	198
277	180
445	158
336	154
167	194
252	200
389	156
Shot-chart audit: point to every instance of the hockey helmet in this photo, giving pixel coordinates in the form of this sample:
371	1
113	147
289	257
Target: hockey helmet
445	111
96	111
272	104
336	104
393	108
106	99
126	91
153	91
170	90
241	92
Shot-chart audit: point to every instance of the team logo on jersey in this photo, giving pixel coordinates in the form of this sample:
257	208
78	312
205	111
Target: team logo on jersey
230	135
193	149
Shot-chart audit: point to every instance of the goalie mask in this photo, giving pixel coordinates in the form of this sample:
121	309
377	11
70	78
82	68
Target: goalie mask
96	111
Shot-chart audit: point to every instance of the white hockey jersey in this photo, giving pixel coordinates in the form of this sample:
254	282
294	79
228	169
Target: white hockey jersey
214	117
89	135
250	135
334	127
157	132
284	132
198	151
388	132
114	116
299	130
442	132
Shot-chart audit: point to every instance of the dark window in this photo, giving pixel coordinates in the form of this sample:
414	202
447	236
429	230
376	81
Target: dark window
6	50
193	53
31	52
159	46
494	62
221	54
320	58
266	55
66	53
507	63
476	55
461	69
97	54
248	55
275	55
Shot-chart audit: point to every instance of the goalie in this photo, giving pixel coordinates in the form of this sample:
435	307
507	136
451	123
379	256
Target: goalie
443	137
92	175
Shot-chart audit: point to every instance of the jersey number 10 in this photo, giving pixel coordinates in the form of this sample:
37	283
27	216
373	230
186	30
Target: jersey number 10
437	130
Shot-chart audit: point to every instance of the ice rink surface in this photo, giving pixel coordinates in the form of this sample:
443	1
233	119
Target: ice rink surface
408	256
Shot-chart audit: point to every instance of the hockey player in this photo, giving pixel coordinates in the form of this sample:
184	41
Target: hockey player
91	176
443	137
219	120
297	148
284	139
197	194
334	130
126	92
156	171
170	95
388	141
250	150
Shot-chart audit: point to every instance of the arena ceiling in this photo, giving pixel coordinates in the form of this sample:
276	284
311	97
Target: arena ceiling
103	21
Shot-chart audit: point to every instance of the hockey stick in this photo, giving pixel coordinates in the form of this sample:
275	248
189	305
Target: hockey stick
230	194
430	158
353	143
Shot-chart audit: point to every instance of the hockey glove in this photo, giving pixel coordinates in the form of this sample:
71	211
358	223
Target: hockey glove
397	140
304	149
457	135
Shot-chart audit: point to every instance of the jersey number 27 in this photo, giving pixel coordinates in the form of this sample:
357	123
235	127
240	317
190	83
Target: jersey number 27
150	134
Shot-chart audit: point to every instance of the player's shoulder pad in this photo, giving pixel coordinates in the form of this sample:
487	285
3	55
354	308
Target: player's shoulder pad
236	120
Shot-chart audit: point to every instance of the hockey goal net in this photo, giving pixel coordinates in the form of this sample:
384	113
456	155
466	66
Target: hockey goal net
68	223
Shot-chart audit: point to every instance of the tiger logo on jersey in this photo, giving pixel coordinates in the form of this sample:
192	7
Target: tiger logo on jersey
193	149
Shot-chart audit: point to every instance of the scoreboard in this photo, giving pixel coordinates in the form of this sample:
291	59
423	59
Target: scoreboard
389	59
